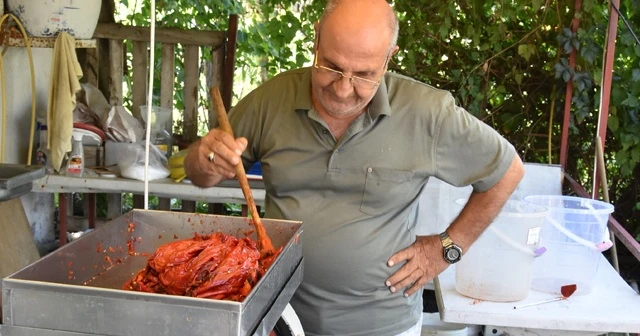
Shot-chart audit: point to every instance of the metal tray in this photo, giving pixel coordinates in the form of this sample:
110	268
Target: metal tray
14	175
17	180
77	287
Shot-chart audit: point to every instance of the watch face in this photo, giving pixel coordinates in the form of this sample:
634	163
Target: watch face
453	254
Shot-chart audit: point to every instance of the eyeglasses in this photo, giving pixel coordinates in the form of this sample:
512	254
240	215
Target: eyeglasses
357	82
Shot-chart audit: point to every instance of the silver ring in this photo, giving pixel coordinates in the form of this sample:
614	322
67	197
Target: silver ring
211	157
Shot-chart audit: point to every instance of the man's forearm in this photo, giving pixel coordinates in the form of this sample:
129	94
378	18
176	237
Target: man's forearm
483	207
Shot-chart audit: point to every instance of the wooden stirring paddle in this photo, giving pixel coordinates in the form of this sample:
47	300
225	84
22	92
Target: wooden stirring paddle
264	243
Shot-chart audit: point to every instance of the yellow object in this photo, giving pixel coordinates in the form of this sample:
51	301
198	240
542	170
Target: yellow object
65	76
176	166
3	89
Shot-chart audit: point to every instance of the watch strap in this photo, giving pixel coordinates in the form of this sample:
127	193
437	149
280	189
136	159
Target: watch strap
446	240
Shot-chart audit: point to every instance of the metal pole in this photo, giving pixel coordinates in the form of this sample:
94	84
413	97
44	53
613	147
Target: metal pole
605	93
569	91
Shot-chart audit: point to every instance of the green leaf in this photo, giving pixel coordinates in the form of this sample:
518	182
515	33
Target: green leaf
537	4
518	77
444	32
631	101
526	51
613	123
636	75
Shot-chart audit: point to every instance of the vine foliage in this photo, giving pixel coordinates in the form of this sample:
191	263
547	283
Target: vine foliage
506	62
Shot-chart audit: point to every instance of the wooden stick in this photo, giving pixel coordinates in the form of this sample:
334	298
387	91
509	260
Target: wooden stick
264	243
605	196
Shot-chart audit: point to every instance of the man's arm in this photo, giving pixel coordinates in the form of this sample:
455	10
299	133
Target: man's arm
483	207
424	258
225	151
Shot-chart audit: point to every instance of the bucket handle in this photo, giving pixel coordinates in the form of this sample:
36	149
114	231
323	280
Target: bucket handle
601	247
535	253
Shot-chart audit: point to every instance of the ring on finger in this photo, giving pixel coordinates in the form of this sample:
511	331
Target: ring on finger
211	157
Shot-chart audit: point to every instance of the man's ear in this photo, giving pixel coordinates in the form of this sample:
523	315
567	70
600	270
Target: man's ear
394	51
316	38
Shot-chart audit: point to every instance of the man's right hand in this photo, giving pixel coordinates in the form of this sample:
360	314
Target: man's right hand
213	158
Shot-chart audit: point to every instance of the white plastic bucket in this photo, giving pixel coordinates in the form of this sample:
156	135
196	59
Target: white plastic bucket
499	265
575	233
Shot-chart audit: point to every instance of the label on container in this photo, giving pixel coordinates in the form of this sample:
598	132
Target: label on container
74	166
534	236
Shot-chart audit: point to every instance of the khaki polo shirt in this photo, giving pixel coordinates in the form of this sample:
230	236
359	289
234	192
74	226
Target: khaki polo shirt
357	196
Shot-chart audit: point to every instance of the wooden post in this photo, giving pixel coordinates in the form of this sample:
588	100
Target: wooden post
166	99
190	130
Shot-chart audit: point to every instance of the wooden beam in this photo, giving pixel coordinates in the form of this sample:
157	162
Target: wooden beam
564	139
168	76
229	61
140	66
190	92
116	59
163	35
605	92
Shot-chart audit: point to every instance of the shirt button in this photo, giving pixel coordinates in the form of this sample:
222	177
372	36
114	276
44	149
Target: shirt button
325	132
369	169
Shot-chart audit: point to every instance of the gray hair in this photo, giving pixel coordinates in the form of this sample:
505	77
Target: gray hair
392	19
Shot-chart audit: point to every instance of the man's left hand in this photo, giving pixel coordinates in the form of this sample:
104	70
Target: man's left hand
424	261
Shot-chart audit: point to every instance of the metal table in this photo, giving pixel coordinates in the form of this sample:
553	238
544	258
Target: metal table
612	306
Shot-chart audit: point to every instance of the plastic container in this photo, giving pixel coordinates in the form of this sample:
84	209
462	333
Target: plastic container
48	18
575	234
499	265
160	136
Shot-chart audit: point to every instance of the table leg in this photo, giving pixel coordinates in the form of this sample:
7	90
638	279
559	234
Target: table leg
92	210
62	218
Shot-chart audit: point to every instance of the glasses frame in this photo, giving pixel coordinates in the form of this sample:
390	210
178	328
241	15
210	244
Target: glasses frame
351	78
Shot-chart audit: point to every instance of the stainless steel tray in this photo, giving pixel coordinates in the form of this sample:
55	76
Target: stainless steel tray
76	288
16	180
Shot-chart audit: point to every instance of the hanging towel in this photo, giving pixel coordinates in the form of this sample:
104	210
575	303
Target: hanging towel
65	82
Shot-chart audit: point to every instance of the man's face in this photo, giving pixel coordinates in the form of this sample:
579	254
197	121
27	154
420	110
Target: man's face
348	94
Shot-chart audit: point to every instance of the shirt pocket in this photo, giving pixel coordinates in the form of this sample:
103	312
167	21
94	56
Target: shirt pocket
385	190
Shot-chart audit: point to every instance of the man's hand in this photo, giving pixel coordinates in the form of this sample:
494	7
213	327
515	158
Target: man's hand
213	158
424	261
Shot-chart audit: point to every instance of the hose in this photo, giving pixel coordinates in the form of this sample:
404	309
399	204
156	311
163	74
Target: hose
4	98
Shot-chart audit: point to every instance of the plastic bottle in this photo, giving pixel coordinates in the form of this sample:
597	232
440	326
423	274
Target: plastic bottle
75	165
42	153
162	139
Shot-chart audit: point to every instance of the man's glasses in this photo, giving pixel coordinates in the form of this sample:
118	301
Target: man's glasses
357	82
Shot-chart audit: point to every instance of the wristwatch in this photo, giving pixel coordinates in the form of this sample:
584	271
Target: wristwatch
451	252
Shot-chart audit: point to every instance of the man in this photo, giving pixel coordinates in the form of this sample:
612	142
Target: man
347	148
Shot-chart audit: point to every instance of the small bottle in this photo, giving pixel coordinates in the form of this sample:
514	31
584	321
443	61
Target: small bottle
75	165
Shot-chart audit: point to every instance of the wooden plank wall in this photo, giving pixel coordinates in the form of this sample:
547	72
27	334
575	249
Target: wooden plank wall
218	43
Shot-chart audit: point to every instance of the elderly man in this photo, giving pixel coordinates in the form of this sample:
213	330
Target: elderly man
347	148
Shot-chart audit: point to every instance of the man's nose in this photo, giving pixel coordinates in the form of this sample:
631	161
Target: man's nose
343	87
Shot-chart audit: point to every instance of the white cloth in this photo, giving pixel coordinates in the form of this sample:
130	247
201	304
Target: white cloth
416	330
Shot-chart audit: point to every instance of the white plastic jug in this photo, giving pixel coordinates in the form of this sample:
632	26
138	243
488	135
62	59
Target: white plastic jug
499	265
575	234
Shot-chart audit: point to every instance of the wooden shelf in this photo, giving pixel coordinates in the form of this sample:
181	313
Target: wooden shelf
47	42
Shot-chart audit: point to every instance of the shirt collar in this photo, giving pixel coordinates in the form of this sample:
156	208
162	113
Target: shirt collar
303	97
379	105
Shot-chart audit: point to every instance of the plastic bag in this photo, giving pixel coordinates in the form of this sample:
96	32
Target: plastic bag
120	126
96	100
91	106
131	162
